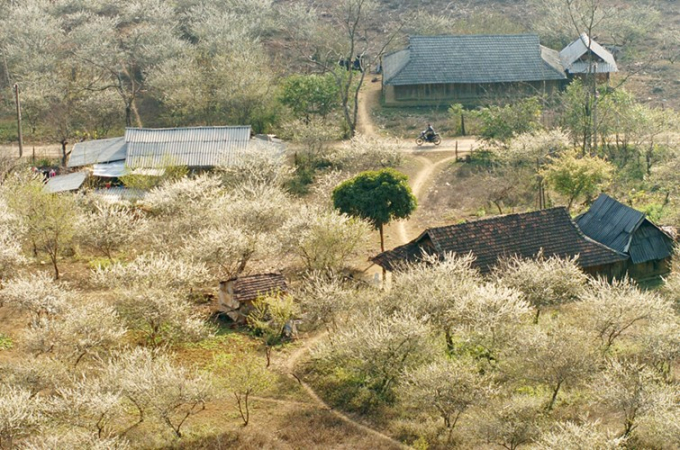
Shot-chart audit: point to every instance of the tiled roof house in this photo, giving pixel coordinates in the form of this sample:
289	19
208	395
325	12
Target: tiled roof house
550	231
470	69
481	69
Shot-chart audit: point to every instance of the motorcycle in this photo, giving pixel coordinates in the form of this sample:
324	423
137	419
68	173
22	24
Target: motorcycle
433	139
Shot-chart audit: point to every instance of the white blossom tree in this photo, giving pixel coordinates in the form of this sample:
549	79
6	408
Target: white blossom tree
87	330
510	422
557	357
379	348
613	310
632	391
574	436
21	414
544	281
109	228
158	388
324	240
37	294
447	388
161	317
11	256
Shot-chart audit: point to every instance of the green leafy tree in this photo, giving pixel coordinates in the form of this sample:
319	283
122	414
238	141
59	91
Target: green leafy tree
572	175
376	196
308	95
502	123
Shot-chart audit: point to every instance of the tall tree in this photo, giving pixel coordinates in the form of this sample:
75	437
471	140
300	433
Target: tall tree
357	39
377	196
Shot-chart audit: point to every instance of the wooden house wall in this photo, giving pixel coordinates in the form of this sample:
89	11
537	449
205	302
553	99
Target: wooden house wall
466	94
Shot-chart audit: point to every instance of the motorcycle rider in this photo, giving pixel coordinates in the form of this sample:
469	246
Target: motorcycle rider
429	132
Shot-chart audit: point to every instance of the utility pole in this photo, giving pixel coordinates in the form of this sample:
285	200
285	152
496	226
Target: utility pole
21	138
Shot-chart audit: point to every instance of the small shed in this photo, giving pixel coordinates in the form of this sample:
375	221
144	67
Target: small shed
628	231
550	231
585	56
236	295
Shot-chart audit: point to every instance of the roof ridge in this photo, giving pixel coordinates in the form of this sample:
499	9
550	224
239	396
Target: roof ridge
200	127
417	36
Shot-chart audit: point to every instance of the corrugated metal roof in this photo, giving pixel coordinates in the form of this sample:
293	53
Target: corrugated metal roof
192	147
97	151
471	59
64	183
117	194
572	53
624	229
110	170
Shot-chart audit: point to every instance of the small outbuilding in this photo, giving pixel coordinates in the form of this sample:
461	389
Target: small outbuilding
628	231
236	295
585	56
550	232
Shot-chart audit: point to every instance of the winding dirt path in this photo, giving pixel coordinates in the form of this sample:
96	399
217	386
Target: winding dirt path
288	366
419	182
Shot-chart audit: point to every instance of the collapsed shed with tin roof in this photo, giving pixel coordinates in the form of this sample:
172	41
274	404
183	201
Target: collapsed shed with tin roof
628	231
550	232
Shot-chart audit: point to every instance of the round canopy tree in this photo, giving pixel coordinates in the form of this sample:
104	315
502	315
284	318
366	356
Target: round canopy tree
377	196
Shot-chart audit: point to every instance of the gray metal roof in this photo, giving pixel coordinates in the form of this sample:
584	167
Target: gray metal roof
471	59
97	151
64	183
110	170
571	55
192	147
624	229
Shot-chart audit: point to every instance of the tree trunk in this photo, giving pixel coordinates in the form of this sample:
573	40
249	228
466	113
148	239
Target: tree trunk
382	249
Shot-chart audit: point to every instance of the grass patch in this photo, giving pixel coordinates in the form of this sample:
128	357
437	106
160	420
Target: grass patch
6	342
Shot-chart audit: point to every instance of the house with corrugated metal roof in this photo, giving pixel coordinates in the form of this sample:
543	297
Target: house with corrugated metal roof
585	56
145	150
550	232
471	70
628	231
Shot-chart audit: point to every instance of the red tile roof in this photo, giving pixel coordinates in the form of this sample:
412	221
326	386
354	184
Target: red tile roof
523	235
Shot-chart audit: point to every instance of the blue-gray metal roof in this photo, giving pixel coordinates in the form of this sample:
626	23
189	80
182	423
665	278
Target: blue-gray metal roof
192	147
98	151
624	229
472	59
64	183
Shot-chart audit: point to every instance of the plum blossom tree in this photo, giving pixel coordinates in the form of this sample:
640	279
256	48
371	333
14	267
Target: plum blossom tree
21	414
37	294
161	317
614	310
379	349
159	388
88	330
543	281
447	387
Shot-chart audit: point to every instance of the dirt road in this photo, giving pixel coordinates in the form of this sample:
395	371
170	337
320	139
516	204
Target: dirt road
420	181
